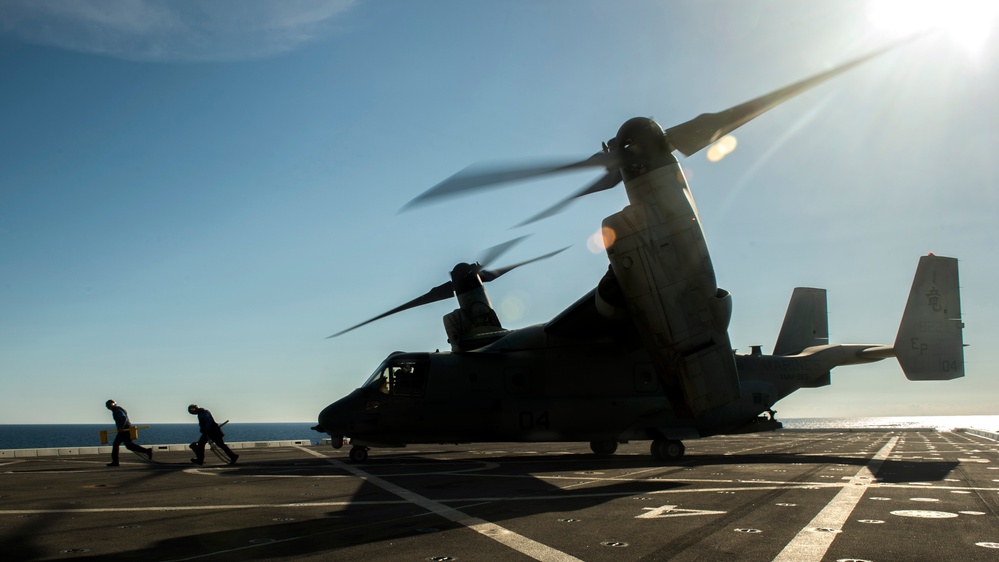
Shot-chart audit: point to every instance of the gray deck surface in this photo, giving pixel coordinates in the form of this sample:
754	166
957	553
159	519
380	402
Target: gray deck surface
877	495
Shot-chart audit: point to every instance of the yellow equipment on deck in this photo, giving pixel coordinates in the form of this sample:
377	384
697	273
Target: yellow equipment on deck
133	432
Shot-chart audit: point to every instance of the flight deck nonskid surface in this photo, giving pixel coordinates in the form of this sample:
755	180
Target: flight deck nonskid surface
818	495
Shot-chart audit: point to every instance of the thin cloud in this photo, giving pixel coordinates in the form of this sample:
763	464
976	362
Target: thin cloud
172	30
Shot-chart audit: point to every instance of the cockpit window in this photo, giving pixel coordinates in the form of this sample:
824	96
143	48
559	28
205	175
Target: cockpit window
399	378
380	380
408	380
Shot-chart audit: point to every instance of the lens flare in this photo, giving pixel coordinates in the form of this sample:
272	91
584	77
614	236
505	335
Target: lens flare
601	240
722	148
513	306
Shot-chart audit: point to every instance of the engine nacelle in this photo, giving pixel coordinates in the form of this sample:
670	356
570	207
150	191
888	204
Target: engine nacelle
721	308
661	264
475	323
610	302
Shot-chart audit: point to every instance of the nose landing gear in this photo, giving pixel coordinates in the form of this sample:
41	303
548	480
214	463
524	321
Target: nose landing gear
667	449
358	453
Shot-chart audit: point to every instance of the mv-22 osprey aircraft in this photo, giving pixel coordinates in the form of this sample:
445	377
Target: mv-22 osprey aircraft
646	354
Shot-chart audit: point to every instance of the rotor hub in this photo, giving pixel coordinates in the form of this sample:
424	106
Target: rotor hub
643	147
465	277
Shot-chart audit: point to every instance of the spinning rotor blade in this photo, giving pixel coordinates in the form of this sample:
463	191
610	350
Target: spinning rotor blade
466	180
445	291
687	138
607	181
707	128
438	293
490	275
498	250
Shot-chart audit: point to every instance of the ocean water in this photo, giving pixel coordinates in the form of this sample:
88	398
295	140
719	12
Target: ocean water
87	435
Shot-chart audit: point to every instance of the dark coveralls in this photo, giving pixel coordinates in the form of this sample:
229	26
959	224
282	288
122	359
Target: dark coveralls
121	422
210	430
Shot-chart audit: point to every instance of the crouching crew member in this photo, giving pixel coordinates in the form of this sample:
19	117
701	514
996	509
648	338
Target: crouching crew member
209	430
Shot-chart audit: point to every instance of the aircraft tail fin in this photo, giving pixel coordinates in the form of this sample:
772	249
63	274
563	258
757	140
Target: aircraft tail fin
806	322
929	344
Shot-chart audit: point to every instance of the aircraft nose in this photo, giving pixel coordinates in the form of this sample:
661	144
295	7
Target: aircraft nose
338	419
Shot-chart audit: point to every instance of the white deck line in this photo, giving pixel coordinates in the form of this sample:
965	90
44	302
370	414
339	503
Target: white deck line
811	544
506	537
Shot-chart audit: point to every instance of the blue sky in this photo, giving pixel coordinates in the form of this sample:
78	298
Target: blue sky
193	196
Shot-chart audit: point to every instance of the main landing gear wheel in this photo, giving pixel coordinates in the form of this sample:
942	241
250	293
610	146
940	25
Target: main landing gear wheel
603	448
667	449
358	453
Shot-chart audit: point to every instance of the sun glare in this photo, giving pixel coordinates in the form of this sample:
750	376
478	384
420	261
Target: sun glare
967	22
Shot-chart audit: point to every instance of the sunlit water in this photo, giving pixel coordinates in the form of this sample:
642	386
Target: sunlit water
86	435
942	423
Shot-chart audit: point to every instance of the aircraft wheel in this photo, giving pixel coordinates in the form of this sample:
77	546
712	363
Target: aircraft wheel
358	454
673	449
657	448
667	449
337	442
603	448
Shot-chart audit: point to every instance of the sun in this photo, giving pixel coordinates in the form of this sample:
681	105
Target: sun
967	22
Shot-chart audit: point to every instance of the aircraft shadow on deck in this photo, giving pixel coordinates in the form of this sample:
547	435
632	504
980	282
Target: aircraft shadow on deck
379	516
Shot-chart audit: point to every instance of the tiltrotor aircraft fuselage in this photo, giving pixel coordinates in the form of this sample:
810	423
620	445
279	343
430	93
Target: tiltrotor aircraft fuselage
646	354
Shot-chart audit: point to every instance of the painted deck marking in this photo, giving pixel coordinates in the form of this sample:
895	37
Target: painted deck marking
673	511
504	536
809	545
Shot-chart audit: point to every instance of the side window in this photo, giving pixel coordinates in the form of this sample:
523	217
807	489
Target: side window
408	379
384	381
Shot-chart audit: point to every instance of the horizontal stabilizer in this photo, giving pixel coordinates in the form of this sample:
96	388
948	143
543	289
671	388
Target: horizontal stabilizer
929	344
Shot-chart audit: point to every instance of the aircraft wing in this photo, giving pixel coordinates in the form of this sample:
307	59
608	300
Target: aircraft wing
583	320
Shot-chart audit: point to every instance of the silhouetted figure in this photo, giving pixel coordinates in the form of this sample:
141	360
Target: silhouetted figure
209	430
122	424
